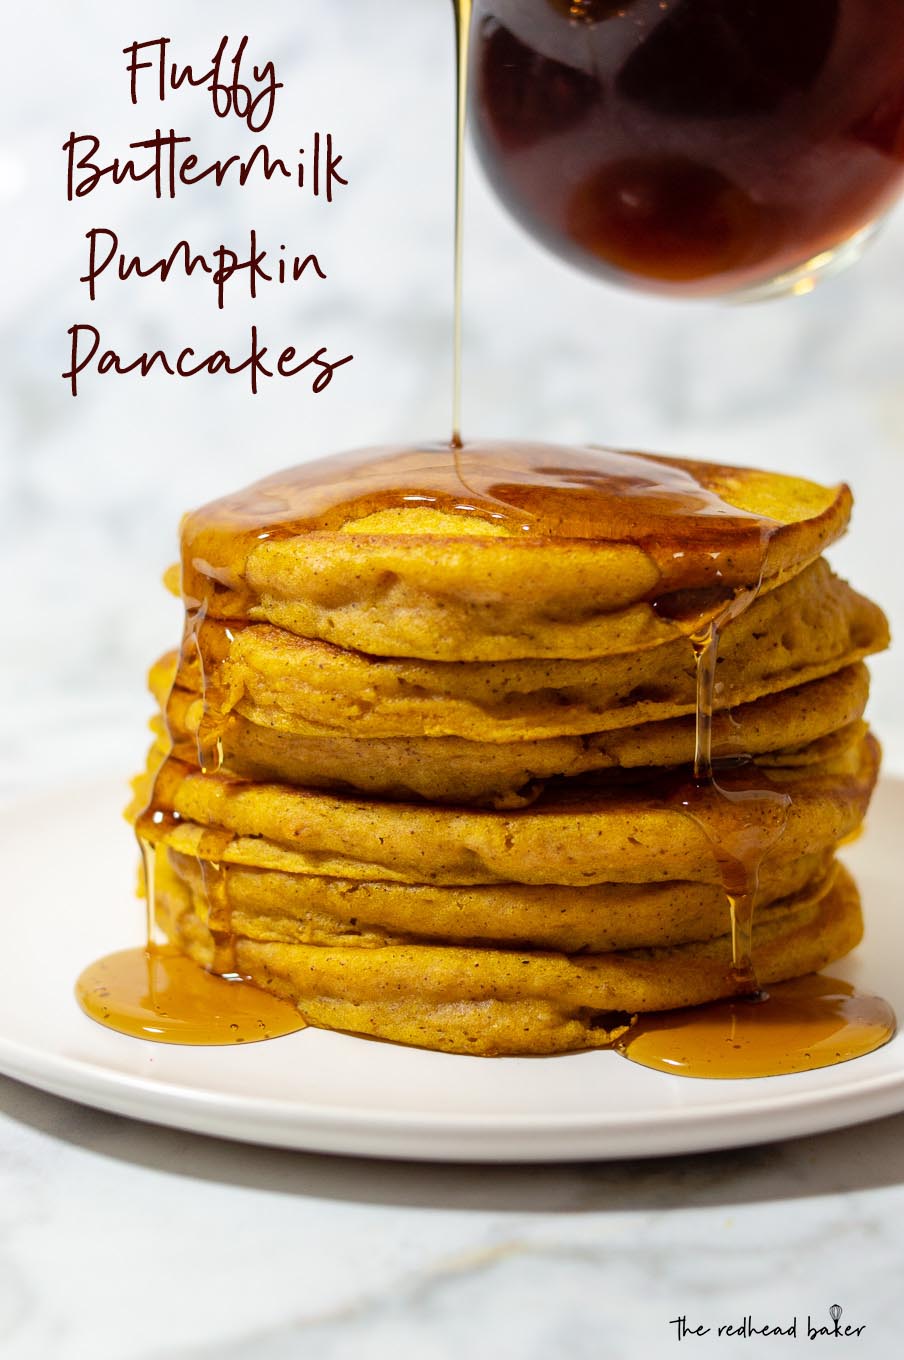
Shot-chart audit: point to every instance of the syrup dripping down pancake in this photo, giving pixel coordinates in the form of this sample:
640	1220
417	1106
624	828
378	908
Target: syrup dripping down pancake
500	551
539	653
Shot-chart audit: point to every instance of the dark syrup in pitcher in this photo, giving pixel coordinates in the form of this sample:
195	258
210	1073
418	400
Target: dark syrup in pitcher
691	146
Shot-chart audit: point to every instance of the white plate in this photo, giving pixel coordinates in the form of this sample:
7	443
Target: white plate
68	866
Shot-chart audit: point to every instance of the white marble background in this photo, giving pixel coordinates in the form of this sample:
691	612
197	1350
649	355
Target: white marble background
121	1242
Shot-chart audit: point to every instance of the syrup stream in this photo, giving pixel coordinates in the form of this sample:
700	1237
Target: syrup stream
462	35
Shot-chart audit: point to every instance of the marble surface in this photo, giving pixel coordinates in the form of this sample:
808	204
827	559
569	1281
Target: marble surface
119	1241
123	1242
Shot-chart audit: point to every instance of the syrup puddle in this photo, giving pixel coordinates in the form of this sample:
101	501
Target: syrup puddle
806	1023
159	993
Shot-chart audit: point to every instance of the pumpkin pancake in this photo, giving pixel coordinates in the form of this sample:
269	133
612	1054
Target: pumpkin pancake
501	551
490	1001
799	726
262	904
626	832
424	763
811	627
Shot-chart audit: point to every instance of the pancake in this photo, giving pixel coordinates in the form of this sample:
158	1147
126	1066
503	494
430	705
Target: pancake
623	833
800	726
425	761
811	627
501	551
262	904
490	1002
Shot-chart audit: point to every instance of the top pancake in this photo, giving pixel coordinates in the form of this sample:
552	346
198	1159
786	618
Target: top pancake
501	551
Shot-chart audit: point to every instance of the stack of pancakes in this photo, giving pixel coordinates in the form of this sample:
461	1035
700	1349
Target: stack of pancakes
420	755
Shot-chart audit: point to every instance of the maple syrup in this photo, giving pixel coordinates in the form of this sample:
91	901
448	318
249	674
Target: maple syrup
159	993
526	489
463	12
742	818
537	491
796	1026
691	146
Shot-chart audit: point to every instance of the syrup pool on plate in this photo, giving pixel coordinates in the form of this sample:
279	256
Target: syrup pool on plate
795	1026
159	993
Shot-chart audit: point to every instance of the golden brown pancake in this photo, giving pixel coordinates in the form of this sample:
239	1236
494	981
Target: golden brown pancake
623	833
490	1001
811	627
501	551
799	726
262	904
424	765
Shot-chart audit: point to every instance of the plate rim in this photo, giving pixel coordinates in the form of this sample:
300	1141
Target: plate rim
447	1135
470	1138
